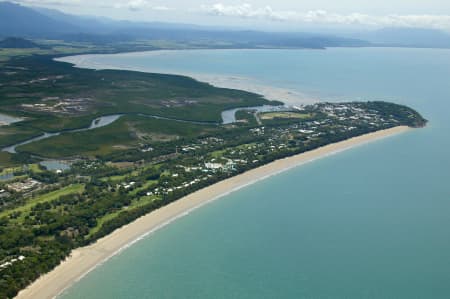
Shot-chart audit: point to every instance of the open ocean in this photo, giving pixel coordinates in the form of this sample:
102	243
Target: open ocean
371	222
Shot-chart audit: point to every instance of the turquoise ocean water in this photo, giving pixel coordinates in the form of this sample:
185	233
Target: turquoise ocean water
371	222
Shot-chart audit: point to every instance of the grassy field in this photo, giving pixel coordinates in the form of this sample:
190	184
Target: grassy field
57	47
100	222
35	168
145	186
284	115
61	47
76	188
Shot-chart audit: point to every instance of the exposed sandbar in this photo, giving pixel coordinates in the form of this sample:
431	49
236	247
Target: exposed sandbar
287	96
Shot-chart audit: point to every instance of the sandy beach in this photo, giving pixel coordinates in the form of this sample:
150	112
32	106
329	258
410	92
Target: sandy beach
287	96
85	259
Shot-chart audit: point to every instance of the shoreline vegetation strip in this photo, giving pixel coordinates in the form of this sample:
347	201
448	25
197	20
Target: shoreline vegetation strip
85	259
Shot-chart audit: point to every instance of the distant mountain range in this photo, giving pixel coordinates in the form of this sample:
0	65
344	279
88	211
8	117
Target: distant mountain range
17	20
36	22
408	37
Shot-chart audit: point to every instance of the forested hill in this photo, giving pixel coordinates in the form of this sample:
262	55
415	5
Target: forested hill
17	43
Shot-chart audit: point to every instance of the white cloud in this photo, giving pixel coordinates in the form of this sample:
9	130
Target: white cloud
136	5
243	11
247	11
49	2
159	7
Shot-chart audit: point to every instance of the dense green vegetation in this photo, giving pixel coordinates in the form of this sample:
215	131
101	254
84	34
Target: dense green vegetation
34	88
128	132
97	196
138	163
40	80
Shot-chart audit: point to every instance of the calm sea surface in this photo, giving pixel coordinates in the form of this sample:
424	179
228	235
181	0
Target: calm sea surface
372	222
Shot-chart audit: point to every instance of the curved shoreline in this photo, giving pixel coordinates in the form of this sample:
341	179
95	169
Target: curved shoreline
85	259
287	96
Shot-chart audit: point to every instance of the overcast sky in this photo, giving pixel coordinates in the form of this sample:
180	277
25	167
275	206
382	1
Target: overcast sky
276	14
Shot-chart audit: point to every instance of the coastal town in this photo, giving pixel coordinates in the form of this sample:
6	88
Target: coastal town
69	178
208	159
224	149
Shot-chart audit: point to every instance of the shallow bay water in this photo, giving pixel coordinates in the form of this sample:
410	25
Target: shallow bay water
370	222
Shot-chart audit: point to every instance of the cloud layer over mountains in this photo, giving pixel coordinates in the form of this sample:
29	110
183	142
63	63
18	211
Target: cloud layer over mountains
324	17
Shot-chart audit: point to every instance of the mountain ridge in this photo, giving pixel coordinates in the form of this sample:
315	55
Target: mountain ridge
38	22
